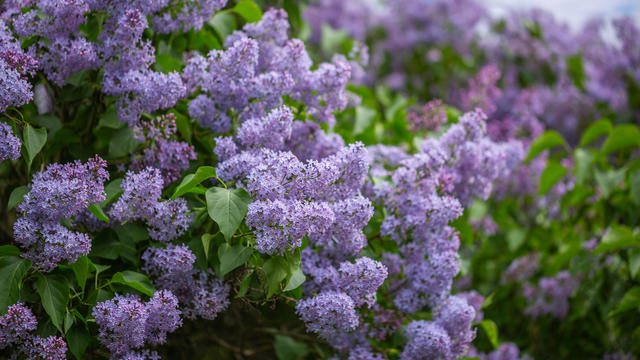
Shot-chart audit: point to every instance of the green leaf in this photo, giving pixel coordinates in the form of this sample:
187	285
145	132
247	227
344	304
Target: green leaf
122	143
132	233
12	269
595	130
81	270
244	285
227	208
223	23
296	279
621	137
630	300
551	175
68	321
364	118
515	238
249	11
33	141
96	210
549	139
276	271
54	293
206	244
17	196
113	191
9	250
634	262
192	180
491	330
109	119
232	257
288	349
583	161
617	238
135	281
634	182
168	63
609	180
184	125
332	39
78	340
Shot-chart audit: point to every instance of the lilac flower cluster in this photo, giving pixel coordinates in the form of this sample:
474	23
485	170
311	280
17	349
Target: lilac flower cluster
200	294
183	15
9	143
171	157
16	327
126	323
447	337
60	192
260	65
15	66
141	200
319	198
430	116
551	296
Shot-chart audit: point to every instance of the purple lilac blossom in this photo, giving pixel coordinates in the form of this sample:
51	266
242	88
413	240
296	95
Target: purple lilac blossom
16	325
60	192
550	296
183	15
427	340
328	314
9	143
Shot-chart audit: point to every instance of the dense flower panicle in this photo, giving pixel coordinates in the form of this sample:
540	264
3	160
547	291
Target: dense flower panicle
183	15
140	200
328	314
476	300
482	91
258	66
49	348
9	143
456	315
64	57
15	65
126	323
200	294
144	354
430	116
506	351
169	156
60	192
522	268
551	296
16	325
361	280
269	132
427	340
309	142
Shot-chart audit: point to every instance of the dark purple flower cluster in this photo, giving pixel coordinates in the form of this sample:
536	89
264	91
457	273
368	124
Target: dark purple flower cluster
60	192
259	65
16	327
141	200
171	157
127	324
200	294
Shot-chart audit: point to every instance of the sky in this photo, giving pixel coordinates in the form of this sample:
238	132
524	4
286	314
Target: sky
574	12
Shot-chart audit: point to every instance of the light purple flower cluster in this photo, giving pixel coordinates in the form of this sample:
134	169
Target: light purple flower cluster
183	15
126	323
200	294
259	65
9	143
430	116
60	192
550	296
319	198
447	337
16	327
15	66
141	200
482	91
522	268
169	156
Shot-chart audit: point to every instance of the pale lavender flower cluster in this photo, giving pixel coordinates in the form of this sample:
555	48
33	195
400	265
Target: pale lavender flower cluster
200	294
9	143
448	336
15	66
259	65
141	200
550	296
16	327
482	91
171	157
127	324
60	192
60	51
184	15
319	197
